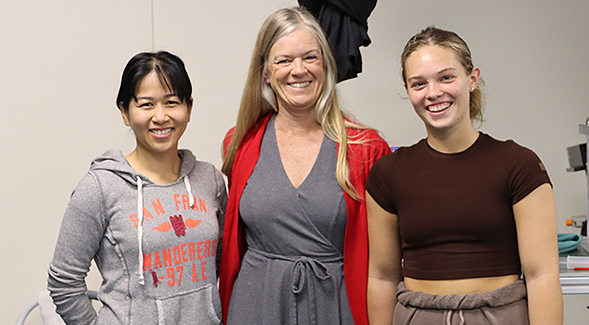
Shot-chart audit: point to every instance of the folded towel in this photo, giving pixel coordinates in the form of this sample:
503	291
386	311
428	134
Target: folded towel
568	242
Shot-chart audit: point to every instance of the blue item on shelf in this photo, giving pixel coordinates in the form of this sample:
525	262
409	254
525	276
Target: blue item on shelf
568	242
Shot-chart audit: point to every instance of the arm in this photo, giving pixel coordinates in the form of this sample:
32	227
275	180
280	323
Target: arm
79	238
535	219
384	264
222	197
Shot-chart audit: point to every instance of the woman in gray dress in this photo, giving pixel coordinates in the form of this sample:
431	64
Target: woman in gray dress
296	166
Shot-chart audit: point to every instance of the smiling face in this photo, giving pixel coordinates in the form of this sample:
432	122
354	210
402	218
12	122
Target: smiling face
439	88
157	116
295	70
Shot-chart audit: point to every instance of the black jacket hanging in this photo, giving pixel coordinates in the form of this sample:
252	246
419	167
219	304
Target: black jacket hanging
345	23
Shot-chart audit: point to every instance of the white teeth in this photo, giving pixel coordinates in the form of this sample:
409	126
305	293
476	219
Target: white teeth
162	132
300	84
438	107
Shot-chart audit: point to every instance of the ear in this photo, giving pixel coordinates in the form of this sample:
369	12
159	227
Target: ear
189	106
474	77
125	114
267	76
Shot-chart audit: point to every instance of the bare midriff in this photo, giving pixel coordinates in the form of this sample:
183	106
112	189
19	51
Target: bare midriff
459	286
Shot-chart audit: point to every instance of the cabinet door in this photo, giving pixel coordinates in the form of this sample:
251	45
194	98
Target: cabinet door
576	309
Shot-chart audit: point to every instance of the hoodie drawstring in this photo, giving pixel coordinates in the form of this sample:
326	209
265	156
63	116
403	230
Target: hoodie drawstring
189	190
191	202
140	228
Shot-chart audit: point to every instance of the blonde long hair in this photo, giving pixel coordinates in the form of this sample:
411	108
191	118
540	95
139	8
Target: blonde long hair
258	98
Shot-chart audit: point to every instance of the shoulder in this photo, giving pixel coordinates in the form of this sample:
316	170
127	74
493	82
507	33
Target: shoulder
524	169
101	171
405	156
408	152
227	140
366	137
88	194
502	144
193	165
366	133
206	176
200	166
252	131
511	149
212	170
382	165
90	183
387	162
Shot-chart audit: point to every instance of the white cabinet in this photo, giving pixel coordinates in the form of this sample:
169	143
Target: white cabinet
576	311
575	289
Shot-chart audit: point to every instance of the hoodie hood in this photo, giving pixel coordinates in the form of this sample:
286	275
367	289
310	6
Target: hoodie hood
114	161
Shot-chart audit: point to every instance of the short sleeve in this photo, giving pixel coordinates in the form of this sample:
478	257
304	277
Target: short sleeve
380	180
527	172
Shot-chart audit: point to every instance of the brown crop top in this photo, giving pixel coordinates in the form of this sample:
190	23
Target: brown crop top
455	210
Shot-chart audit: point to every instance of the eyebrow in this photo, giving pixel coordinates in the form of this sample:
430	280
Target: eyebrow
289	56
438	73
165	96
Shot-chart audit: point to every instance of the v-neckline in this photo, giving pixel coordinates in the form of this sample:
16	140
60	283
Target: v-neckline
275	144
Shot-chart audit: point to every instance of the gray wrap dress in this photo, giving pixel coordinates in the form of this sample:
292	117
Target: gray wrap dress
292	272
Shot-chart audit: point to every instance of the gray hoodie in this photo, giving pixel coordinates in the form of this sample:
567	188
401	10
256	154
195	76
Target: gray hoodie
155	245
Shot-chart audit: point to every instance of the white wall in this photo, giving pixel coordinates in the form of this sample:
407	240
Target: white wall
61	62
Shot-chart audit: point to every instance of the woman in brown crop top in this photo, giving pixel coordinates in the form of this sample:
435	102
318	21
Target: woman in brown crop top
443	86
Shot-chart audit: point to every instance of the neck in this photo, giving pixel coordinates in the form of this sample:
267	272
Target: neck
453	141
160	168
299	124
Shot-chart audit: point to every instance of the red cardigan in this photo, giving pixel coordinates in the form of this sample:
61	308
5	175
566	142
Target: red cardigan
361	157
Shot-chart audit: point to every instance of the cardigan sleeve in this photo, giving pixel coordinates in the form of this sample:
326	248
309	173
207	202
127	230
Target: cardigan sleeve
361	157
234	245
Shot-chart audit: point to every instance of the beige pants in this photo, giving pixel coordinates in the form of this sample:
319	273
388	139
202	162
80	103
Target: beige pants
507	305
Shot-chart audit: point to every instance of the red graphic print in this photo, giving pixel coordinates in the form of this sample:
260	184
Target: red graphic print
164	227
155	279
178	225
167	226
191	223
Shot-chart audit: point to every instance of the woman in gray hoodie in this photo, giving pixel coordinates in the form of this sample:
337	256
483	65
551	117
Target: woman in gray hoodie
150	219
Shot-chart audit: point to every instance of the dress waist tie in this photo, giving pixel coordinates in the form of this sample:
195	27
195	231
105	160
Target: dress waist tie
304	268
